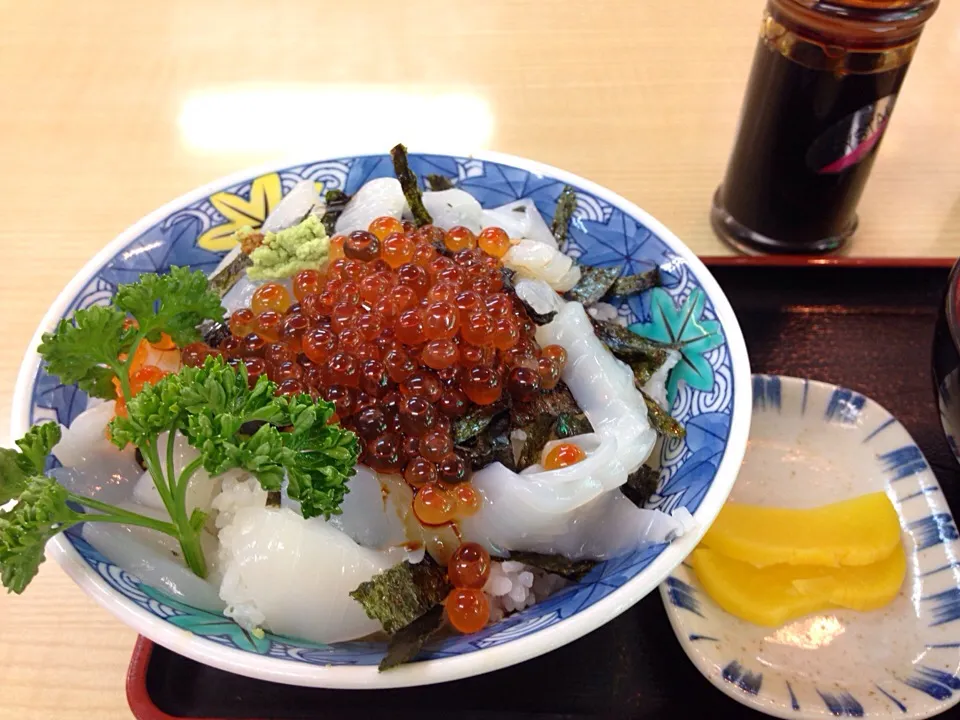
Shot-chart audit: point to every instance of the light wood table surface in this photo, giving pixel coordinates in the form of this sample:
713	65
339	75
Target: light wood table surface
112	108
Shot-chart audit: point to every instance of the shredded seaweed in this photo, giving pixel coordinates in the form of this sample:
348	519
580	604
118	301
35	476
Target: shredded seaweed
491	445
636	284
644	368
409	640
538	435
594	284
399	595
640	485
570	424
538	419
214	333
226	277
627	345
566	204
556	564
476	421
408	182
336	201
273	498
661	420
436	182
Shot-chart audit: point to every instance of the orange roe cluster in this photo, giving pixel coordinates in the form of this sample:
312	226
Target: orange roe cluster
403	339
467	606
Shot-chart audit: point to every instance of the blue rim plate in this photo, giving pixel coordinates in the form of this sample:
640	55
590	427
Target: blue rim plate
812	443
710	392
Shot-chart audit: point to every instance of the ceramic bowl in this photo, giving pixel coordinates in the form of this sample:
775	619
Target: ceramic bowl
810	444
710	392
946	361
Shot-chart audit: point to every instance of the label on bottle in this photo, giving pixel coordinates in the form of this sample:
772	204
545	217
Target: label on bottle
848	141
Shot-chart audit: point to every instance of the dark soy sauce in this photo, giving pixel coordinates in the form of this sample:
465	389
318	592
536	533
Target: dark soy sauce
787	178
810	128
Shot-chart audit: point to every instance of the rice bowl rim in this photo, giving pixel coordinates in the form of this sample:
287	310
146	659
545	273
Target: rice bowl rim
424	672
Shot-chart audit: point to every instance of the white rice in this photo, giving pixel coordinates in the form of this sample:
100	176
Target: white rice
513	586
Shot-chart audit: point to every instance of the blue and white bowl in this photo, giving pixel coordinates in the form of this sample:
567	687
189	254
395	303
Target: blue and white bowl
710	391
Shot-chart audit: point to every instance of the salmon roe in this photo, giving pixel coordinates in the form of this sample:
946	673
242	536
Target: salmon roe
563	455
404	331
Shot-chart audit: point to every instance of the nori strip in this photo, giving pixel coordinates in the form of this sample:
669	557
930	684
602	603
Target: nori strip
436	182
399	595
224	279
491	445
636	284
640	485
408	181
538	434
476	421
556	564
644	368
627	345
410	639
661	420
214	333
566	204
538	419
570	424
273	498
336	201
594	283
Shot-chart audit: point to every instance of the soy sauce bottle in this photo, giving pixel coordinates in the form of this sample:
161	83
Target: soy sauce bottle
825	79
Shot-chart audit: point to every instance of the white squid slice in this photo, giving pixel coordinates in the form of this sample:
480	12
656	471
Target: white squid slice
294	576
520	219
538	261
94	466
156	559
294	207
377	198
453	207
201	488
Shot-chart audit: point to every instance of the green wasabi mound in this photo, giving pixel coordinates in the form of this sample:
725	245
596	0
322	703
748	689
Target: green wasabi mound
285	253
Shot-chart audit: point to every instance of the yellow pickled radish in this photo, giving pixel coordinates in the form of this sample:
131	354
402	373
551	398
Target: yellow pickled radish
859	531
866	587
775	595
763	597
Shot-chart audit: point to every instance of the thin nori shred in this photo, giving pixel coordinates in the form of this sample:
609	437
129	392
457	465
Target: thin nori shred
566	204
476	421
627	345
408	182
491	445
436	182
336	201
636	284
273	498
538	434
644	368
556	564
661	420
640	485
226	277
399	595
214	333
540	419
409	640
594	284
570	424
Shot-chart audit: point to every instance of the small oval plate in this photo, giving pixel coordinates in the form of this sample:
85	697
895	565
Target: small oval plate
810	444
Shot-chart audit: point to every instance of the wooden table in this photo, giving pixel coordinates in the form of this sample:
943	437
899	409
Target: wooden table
112	108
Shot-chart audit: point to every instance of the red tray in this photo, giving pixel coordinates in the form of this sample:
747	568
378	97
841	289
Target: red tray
818	318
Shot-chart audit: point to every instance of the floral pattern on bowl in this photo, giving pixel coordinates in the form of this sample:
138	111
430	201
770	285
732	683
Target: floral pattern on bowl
196	230
810	444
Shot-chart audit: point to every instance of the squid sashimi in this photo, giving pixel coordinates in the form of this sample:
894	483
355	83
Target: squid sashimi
377	198
293	576
520	219
453	207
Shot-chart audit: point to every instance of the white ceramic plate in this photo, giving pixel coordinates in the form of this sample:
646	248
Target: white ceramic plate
812	443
